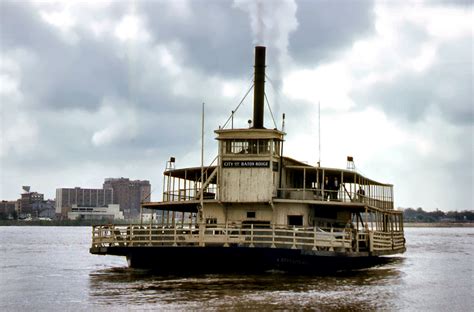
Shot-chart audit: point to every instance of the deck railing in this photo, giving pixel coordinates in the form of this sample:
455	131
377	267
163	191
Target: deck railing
330	239
333	196
382	241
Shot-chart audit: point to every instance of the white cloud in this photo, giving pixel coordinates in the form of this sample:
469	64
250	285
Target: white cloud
132	28
117	122
328	84
441	22
9	79
61	19
18	134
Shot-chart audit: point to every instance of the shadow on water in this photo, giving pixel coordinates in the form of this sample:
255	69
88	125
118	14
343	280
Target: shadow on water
372	288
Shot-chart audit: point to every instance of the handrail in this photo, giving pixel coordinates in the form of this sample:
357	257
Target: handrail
208	167
275	236
334	196
175	195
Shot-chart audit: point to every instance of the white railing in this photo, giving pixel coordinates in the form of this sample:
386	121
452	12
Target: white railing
335	196
216	234
330	239
192	188
383	241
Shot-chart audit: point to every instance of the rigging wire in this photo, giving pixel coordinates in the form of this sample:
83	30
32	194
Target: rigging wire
271	82
270	109
235	110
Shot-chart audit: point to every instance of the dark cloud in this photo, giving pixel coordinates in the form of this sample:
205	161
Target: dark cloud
62	74
453	87
327	26
460	172
78	76
21	26
446	86
216	37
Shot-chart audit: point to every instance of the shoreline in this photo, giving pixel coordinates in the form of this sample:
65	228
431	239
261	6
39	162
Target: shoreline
61	222
438	224
91	223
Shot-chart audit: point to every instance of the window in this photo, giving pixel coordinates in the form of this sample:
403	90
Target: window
239	147
211	221
261	147
251	214
295	220
276	148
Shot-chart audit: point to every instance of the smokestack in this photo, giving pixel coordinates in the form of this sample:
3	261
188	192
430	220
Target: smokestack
259	87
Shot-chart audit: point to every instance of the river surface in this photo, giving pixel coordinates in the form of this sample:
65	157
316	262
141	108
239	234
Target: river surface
50	269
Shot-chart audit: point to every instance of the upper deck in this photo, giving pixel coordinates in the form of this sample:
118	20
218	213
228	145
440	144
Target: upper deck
300	182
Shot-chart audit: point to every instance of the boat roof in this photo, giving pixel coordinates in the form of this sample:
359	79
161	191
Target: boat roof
350	176
190	173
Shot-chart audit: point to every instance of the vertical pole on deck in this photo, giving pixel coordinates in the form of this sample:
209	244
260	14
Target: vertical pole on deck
280	167
391	197
164	188
202	157
141	214
319	134
201	199
273	236
304	183
314	238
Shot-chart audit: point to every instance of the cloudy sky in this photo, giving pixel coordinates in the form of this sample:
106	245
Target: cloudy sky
98	89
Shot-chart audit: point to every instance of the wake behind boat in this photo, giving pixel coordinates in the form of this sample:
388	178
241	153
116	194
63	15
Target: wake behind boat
253	209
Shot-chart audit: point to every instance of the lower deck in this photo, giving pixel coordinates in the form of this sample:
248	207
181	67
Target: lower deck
346	240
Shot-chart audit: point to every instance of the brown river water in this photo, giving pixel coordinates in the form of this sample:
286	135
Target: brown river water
50	269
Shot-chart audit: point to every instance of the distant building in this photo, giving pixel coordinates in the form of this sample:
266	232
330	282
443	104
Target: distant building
28	200
44	209
129	194
66	198
110	212
8	209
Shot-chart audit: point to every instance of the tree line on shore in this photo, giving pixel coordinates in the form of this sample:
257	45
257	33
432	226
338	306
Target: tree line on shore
419	215
409	215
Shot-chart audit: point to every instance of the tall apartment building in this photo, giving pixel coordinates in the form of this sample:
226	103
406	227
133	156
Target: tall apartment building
129	194
67	197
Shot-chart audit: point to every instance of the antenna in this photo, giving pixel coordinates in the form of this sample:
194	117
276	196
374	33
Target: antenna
319	134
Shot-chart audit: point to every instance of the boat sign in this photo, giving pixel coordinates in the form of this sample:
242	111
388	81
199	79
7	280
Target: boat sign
246	164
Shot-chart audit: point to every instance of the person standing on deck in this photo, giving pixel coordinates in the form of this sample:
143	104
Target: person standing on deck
335	188
350	228
361	194
326	189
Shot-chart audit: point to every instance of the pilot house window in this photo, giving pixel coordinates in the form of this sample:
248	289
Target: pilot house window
250	214
260	147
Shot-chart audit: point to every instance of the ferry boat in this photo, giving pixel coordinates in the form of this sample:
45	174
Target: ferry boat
253	209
